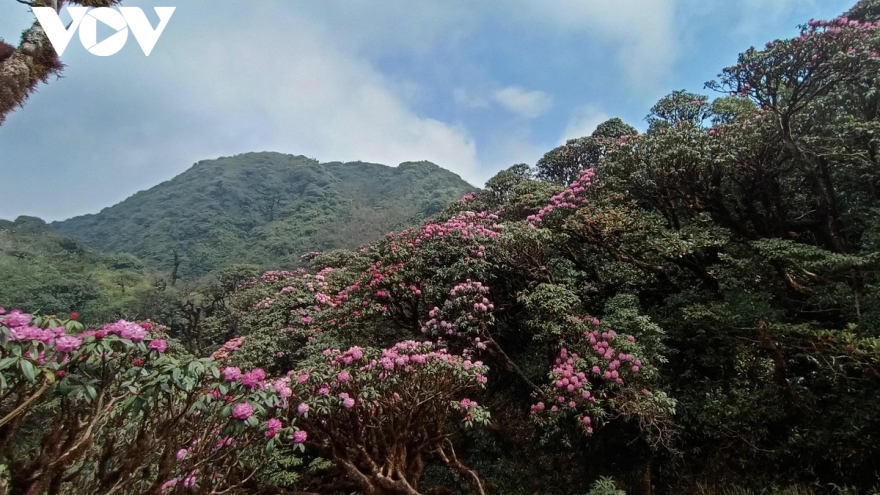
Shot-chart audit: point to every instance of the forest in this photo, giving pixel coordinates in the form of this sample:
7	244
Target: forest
691	309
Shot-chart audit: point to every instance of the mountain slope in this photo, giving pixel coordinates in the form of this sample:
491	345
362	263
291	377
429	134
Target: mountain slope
265	208
43	270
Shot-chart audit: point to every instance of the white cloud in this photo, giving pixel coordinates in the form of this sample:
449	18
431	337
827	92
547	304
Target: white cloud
640	34
306	96
582	123
529	104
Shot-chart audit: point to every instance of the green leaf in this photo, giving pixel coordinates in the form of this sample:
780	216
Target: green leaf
7	362
29	370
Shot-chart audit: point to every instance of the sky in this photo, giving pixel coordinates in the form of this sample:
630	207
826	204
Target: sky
474	86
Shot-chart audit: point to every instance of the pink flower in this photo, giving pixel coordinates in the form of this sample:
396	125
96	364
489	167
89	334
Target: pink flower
302	408
242	411
158	345
348	403
231	373
67	343
253	377
343	376
17	319
273	424
300	436
127	330
181	454
189	481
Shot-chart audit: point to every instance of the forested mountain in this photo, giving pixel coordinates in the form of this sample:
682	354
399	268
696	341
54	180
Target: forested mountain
265	208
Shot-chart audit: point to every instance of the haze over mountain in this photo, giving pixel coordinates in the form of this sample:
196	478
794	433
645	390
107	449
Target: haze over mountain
265	208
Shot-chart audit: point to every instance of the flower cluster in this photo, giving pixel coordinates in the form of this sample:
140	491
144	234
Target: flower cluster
466	310
21	330
569	198
467	198
574	378
228	348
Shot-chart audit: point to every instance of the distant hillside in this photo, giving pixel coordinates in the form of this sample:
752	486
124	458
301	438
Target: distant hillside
43	270
265	208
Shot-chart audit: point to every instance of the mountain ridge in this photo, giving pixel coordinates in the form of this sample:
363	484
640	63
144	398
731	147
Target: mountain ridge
265	208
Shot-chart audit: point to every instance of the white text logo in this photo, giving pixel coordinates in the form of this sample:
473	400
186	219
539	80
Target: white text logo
87	21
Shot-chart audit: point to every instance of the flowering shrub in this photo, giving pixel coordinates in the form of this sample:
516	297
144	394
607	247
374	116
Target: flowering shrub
126	416
595	377
569	198
377	414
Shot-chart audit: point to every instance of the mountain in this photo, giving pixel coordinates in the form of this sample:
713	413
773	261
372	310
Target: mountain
266	209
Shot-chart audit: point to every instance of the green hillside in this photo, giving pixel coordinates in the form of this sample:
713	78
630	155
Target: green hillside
265	208
42	270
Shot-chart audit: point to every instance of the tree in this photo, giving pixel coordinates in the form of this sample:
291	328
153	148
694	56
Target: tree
563	164
34	60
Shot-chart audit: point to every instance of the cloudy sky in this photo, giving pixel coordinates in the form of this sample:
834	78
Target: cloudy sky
475	86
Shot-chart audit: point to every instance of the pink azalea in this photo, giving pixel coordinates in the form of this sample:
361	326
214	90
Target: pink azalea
158	345
231	373
67	343
242	411
300	436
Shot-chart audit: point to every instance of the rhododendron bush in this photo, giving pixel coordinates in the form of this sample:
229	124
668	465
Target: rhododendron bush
379	415
108	410
478	286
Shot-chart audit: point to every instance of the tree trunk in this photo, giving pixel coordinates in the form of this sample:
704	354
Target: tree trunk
646	481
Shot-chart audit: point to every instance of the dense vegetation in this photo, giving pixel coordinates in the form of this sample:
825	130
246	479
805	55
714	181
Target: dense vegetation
266	209
41	269
695	309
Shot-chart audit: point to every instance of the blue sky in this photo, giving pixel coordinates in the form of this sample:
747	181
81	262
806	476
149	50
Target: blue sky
475	86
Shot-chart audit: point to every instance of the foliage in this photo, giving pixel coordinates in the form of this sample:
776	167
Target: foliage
42	270
109	410
605	486
264	209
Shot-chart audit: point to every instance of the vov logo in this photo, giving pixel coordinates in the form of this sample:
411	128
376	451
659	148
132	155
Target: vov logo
86	19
